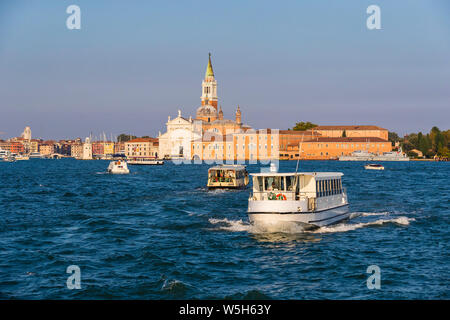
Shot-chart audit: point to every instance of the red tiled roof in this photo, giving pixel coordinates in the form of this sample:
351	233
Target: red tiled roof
299	133
358	127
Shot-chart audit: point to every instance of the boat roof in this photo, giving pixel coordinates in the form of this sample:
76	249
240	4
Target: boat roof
282	174
228	167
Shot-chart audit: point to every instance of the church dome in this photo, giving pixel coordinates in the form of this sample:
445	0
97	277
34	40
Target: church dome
207	113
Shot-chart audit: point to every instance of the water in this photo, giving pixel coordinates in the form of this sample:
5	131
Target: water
158	233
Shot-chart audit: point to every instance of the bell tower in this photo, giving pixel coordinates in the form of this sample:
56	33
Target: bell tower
209	87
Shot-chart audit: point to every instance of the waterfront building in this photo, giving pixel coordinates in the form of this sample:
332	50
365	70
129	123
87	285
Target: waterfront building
34	146
290	140
15	147
76	150
325	148
119	148
87	150
97	149
108	148
176	141
355	131
63	147
47	148
142	148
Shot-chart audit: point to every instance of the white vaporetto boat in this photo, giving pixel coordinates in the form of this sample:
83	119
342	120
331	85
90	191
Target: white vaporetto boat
118	167
228	176
373	166
310	199
144	161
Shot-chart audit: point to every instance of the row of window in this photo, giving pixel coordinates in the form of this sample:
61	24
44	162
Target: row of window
319	145
216	147
325	188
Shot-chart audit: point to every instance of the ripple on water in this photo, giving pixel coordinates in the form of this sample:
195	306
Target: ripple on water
159	233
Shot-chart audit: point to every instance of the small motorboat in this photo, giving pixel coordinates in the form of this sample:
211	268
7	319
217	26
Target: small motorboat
118	167
373	166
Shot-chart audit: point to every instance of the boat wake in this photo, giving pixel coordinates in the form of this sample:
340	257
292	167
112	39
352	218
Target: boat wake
292	227
344	227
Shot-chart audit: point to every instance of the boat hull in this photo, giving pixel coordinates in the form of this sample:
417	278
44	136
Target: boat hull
119	172
307	219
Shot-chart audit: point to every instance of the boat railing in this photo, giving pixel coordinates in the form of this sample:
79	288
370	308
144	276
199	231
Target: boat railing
273	195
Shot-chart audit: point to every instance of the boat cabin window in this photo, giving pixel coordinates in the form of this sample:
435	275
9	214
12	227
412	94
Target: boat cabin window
290	183
274	183
223	175
258	184
328	187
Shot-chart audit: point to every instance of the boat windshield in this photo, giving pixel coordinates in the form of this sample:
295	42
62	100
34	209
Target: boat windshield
274	183
222	175
268	187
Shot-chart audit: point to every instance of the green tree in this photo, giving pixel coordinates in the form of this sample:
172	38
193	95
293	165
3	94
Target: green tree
393	137
303	126
125	137
344	134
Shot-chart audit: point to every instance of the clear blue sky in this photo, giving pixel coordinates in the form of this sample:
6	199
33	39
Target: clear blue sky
133	63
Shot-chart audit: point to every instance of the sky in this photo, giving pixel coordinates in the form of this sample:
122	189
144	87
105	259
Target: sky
134	63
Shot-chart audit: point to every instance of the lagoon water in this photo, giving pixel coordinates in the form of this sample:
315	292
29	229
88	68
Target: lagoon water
158	233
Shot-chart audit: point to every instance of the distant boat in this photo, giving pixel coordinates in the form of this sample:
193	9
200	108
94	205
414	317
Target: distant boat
118	167
144	161
4	154
35	155
392	156
373	166
363	155
228	176
20	157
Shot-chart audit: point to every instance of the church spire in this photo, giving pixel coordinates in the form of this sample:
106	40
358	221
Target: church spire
238	115
209	69
209	86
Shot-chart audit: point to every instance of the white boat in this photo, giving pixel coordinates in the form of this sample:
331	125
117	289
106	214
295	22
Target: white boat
363	155
35	155
10	158
228	176
20	157
358	155
4	154
373	166
310	199
118	167
391	156
144	161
